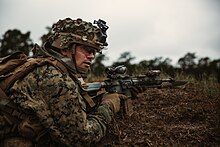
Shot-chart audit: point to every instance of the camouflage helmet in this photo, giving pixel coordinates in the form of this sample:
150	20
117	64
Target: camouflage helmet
67	31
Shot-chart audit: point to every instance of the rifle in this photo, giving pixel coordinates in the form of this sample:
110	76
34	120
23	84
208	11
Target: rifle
118	82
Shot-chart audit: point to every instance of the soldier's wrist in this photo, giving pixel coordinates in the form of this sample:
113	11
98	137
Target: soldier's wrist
106	111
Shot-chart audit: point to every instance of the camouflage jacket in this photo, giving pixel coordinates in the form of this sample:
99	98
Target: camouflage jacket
58	105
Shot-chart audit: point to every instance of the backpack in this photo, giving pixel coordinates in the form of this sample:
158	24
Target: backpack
17	65
12	68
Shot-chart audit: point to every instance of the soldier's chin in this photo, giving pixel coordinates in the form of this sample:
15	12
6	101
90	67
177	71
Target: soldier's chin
83	70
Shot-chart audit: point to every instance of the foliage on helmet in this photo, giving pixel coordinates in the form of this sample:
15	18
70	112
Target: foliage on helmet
67	31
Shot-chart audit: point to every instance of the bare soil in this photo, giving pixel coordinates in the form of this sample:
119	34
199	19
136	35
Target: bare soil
184	116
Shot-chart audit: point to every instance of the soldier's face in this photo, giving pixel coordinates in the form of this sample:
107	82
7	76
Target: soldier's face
84	56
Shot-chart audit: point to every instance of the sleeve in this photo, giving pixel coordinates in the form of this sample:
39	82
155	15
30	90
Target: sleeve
55	99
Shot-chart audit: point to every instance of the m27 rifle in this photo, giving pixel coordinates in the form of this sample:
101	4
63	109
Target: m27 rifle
118	82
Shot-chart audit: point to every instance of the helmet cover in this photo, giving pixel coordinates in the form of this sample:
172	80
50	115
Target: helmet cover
67	31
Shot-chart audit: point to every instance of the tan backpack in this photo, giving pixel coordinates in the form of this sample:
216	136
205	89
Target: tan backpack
18	65
12	68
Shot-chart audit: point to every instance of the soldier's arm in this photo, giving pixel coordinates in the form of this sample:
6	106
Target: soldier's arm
55	99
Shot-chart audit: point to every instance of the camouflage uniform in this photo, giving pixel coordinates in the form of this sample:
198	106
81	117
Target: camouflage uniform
54	104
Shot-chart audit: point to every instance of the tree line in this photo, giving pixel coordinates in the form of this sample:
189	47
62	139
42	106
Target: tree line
200	68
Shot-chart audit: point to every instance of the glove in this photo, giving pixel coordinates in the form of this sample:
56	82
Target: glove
113	100
136	90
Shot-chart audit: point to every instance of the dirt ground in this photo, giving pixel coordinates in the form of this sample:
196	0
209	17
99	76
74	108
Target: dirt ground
184	116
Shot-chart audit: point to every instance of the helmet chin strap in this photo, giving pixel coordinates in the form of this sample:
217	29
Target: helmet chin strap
73	57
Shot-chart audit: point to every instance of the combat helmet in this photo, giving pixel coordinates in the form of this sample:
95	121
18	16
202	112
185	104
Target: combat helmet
68	31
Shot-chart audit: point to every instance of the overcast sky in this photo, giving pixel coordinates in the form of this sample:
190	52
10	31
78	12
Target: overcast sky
146	28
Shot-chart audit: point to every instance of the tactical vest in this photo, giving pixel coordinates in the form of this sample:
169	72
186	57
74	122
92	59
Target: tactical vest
13	121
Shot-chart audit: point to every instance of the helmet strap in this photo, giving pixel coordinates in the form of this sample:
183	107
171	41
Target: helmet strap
73	49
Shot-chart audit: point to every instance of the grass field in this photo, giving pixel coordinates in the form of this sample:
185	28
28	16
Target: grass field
183	116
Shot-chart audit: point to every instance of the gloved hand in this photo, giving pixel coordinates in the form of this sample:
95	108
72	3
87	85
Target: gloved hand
136	90
113	100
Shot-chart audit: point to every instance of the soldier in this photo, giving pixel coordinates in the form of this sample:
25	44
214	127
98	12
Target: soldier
48	106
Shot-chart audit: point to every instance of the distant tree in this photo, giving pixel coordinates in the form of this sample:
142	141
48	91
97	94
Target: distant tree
188	61
144	64
98	68
14	40
125	59
166	67
204	62
215	67
203	68
157	63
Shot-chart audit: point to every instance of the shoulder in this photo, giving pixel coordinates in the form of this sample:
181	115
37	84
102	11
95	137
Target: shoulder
45	78
49	75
